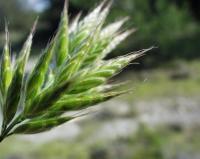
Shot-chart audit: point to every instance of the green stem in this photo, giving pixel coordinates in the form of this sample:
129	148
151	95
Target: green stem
3	127
6	131
15	122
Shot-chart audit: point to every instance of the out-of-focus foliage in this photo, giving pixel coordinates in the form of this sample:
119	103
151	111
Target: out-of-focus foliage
18	19
157	143
166	25
171	25
14	13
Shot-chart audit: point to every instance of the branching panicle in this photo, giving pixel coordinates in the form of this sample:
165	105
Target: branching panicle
76	80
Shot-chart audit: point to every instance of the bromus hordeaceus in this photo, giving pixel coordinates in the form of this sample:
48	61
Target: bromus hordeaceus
70	75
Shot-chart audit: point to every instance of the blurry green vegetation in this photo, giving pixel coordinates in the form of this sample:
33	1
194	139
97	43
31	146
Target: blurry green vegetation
160	143
17	17
171	25
149	144
170	80
18	20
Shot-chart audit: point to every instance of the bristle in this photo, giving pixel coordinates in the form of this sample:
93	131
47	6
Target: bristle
142	52
113	28
34	26
115	42
73	26
66	4
6	32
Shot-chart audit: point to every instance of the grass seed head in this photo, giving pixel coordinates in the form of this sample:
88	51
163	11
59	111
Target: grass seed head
76	80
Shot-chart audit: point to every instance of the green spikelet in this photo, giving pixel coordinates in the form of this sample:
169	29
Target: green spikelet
98	75
13	97
50	79
41	125
70	75
75	62
6	67
61	43
59	86
78	102
37	77
81	30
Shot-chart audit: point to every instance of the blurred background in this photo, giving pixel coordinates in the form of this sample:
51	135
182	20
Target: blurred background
160	120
